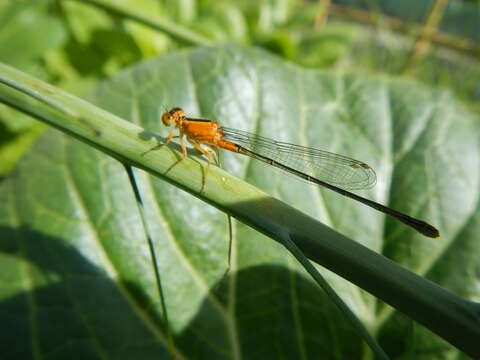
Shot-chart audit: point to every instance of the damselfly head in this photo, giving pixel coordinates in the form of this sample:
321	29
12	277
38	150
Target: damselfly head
174	115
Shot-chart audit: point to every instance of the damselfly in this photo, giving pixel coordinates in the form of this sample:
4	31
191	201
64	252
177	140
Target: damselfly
335	172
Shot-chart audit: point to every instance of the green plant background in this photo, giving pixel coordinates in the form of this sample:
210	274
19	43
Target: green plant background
72	242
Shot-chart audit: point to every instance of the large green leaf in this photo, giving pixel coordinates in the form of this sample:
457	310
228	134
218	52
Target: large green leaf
76	275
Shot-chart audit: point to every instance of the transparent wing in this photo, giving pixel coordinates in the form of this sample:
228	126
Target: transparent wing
337	170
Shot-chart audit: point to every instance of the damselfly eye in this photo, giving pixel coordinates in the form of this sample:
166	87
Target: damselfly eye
167	119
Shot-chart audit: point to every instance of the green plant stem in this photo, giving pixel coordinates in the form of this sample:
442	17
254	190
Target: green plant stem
337	300
156	266
453	318
170	28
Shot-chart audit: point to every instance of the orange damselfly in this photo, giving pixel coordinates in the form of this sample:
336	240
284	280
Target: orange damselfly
335	172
